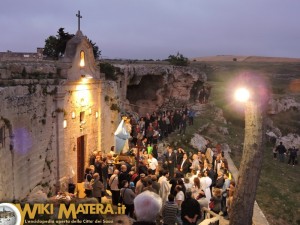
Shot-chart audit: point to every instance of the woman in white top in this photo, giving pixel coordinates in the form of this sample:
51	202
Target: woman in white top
179	198
205	183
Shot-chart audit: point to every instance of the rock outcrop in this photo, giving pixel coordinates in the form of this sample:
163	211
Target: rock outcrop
150	86
281	105
199	142
289	141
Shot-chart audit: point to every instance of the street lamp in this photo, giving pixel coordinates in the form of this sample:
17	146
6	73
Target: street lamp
251	163
242	94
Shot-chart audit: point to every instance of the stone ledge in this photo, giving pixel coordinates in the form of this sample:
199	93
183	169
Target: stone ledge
258	216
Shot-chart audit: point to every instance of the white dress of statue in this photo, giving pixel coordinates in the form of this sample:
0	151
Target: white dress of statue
205	183
128	128
121	137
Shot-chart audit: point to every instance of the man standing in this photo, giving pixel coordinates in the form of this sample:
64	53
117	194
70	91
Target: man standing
114	187
293	155
281	150
224	193
140	184
98	187
170	211
190	210
164	190
185	165
123	175
142	145
171	161
153	164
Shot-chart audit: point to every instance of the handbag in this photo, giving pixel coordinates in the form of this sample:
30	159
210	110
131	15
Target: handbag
211	204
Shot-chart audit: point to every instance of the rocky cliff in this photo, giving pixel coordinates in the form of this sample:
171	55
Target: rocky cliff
150	86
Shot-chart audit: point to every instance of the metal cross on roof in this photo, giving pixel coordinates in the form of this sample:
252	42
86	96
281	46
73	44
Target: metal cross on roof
79	17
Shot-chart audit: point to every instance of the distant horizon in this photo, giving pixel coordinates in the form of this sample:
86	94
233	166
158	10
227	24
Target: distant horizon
190	58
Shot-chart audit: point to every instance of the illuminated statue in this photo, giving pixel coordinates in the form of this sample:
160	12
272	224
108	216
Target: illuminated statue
122	135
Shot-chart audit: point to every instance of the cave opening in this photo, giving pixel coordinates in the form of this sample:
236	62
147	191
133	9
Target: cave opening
146	89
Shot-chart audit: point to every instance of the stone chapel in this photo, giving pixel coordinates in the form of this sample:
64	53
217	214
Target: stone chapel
50	127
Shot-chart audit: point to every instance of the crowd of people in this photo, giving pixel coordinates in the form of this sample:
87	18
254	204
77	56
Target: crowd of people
184	181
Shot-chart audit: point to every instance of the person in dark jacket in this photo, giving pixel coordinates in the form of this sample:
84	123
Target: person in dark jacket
88	176
127	196
124	175
174	181
185	164
179	158
190	210
104	172
281	150
220	180
211	174
155	184
97	187
171	161
293	155
217	200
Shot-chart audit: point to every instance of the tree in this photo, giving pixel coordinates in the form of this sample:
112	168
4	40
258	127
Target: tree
55	46
251	163
109	70
178	60
96	50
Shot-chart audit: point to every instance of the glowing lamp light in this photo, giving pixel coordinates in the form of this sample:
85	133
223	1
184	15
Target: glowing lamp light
90	111
82	63
73	115
86	76
242	95
65	123
97	115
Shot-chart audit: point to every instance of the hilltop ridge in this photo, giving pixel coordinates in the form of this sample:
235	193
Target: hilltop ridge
230	58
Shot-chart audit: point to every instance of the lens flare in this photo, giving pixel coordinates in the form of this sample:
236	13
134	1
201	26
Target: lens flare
242	95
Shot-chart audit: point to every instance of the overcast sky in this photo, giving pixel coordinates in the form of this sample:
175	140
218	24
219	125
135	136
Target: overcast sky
154	29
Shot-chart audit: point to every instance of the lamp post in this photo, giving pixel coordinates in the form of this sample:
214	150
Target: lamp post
251	163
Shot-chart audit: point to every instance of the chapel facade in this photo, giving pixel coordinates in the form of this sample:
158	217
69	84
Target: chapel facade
50	127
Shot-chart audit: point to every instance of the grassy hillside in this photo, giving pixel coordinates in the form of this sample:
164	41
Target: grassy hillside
279	187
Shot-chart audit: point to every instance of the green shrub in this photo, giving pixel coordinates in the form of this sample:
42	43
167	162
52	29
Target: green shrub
109	70
178	60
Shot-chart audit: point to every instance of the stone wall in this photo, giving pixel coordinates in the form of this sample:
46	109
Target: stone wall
22	56
38	148
28	157
110	114
29	69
